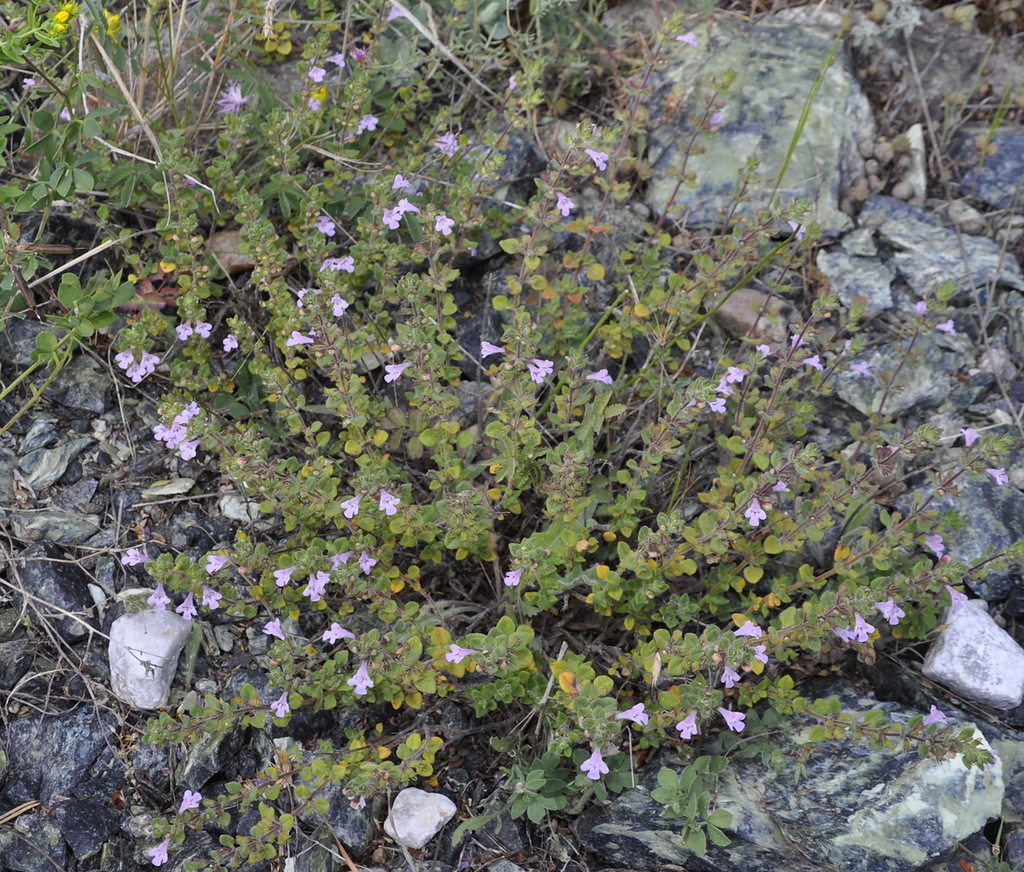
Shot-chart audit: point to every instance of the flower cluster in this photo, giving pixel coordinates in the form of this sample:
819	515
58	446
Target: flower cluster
137	370
175	435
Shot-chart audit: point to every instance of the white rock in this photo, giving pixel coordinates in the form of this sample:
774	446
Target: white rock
144	649
977	658
417	816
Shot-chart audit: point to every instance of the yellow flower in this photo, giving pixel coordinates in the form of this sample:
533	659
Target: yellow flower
113	22
62	16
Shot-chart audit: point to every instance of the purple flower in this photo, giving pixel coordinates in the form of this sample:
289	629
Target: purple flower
281	707
861	368
28	82
366	562
512	83
920	307
457	654
316	74
815	361
392	218
935	544
394	12
361	681
191	799
760	653
184	330
999	475
298	339
594	766
401	183
564	205
512	577
388	503
339	264
688	38
211	599
133	557
958	599
325	224
730	677
601	375
890	611
337	632
316	586
487	349
395	370
350	507
188	608
337	58
340	304
780	487
283	576
599	158
358	803
443	225
367	122
797	228
754	513
215	563
862	629
735	721
636	714
540	369
935	716
764	349
231	100
230	342
735	374
970	436
447	144
717	406
688	727
947	327
159	853
187	450
718	117
749	629
843	633
158	599
339	560
273	628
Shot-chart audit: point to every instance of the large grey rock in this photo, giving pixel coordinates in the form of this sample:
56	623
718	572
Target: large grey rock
832	807
774	61
56	590
994	178
977	658
417	816
144	649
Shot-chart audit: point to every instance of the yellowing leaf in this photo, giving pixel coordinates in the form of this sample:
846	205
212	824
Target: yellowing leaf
841	553
602	571
567	681
168	266
595	272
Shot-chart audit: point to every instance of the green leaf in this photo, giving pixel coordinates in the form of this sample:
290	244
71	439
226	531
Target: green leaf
697	842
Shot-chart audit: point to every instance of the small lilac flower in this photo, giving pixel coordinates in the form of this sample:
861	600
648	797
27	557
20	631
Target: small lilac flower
211	599
735	375
336	632
749	629
281	707
601	375
934	543
314	103
512	577
754	513
780	487
366	562
795	341
599	158
970	436
999	475
995	759
358	803
862	629
191	799
540	369
730	677
340	304
230	342
283	576
316	74
350	507
325	224
456	654
215	563
718	117
958	599
159	599
401	183
394	12
337	58
443	225
231	101
159	853
890	611
188	608
688	727
717	406
273	628
447	144
861	367
594	766
184	330
367	122
395	370
764	349
934	716
564	205
798	229
316	586
843	633
735	721
724	388
392	218
65	114
636	714
187	450
947	327
759	653
361	681
298	339
920	307
512	83
688	38
340	264
487	349
388	503
133	557
405	206
339	560
28	82
815	361
204	329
